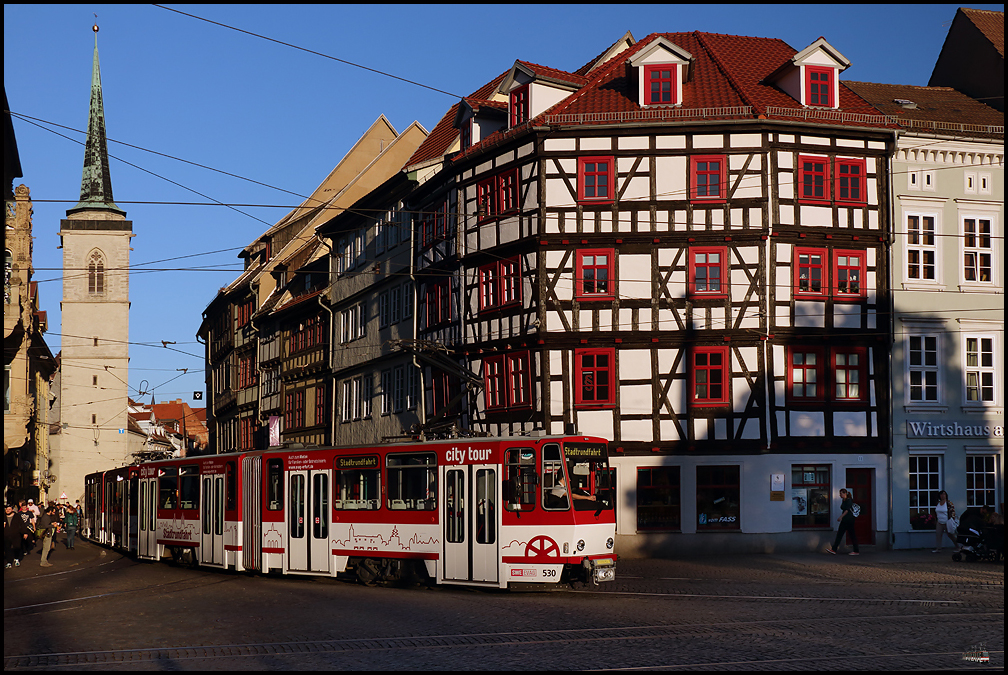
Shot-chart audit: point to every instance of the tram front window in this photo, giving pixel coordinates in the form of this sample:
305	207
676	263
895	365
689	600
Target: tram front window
588	472
168	488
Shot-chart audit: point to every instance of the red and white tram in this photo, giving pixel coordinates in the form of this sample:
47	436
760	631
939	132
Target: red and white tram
492	512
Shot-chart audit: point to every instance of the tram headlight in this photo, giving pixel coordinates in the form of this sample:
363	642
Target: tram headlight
580	545
609	543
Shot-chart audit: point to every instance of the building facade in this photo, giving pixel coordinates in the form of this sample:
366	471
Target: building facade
683	252
948	303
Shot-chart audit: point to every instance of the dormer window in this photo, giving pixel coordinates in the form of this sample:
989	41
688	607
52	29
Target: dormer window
819	86
660	81
811	77
661	69
519	106
466	134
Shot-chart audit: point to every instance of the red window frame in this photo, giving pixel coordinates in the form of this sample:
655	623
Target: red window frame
596	170
706	265
851	181
519	384
667	92
591	257
507	191
486	199
814	92
499	284
510	282
595	375
489	286
438	301
519	105
495	377
842	278
806	373
816	172
811	264
702	371
700	169
507	381
841	371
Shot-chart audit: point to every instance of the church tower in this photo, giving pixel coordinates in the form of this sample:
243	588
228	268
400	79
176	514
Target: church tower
94	365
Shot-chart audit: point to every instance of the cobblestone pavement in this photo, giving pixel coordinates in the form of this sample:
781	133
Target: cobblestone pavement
95	609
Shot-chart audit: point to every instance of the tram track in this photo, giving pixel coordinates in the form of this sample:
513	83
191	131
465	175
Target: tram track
785	629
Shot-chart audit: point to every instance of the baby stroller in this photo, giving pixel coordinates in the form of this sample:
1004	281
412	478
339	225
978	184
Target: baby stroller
978	541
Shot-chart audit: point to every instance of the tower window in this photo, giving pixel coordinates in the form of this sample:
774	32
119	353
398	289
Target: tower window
96	273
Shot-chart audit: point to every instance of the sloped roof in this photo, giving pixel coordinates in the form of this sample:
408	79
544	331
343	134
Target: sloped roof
444	133
609	51
955	111
547	73
729	81
991	24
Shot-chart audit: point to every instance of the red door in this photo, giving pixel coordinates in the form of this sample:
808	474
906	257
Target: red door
860	482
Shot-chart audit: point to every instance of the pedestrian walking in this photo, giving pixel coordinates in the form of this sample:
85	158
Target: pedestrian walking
29	522
946	522
71	521
46	525
15	534
846	521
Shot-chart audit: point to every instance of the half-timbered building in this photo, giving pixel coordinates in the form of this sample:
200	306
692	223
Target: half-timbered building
680	246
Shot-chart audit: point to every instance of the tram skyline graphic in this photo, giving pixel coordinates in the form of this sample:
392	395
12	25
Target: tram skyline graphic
375	542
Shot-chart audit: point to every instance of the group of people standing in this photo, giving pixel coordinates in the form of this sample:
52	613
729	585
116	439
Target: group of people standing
26	524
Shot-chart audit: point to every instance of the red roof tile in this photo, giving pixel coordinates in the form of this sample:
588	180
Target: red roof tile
555	74
991	24
951	109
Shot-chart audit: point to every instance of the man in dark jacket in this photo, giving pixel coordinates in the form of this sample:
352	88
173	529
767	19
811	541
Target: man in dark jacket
47	525
15	534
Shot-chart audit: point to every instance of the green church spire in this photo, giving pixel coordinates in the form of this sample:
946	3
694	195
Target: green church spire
96	182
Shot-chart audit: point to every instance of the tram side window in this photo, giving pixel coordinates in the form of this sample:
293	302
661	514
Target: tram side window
189	487
168	488
231	486
357	489
412	484
520	479
274	484
554	483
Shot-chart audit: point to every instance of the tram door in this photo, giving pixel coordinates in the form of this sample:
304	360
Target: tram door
212	520
308	547
470	522
148	518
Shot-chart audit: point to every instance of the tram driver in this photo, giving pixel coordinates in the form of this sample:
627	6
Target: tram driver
560	489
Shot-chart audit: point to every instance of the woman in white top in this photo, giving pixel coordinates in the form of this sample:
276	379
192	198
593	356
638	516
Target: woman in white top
944	512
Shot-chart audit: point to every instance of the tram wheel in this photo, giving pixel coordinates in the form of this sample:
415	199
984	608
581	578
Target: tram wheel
366	571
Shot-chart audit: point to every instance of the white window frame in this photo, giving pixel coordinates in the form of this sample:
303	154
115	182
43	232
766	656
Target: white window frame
926	452
386	392
909	368
970	182
984	185
928	180
914	178
977	215
383	310
980	369
921	247
395	304
985	453
346	402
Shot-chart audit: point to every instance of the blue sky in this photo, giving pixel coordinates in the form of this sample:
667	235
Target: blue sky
284	118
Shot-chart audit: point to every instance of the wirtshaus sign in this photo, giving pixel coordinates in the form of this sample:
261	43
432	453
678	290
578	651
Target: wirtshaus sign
953	430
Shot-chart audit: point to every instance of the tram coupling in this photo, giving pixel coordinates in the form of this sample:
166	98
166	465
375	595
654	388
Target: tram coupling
600	569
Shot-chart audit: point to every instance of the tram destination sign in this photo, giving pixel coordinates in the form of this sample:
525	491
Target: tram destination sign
585	450
953	430
365	462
